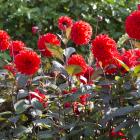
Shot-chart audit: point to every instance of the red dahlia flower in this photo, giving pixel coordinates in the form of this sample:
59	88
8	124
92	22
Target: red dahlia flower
4	40
75	107
16	47
46	39
67	105
79	61
39	96
27	62
81	33
118	134
83	98
64	22
105	51
132	25
131	57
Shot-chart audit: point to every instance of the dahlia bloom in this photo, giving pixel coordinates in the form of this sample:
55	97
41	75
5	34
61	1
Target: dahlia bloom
44	41
27	62
39	96
64	22
75	106
131	57
83	98
105	51
79	61
118	134
132	25
67	105
4	40
16	47
81	33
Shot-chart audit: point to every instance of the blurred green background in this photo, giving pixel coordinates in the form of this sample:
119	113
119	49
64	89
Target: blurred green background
18	16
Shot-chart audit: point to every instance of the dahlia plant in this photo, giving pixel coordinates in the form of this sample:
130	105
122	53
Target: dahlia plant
56	92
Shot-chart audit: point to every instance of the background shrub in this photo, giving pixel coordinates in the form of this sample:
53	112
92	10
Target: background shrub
18	16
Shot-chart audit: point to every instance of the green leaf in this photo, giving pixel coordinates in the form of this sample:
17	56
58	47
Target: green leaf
73	69
20	106
68	52
2	100
6	56
137	69
123	64
124	124
117	78
20	130
7	113
22	94
111	1
135	132
45	134
120	112
22	80
2	63
40	122
57	51
3	135
23	117
36	104
56	66
104	138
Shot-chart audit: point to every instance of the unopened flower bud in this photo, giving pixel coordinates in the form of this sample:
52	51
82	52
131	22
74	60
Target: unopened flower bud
99	18
35	29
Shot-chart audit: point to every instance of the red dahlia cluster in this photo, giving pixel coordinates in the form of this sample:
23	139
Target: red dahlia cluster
64	22
81	32
4	40
105	51
132	25
131	57
16	47
27	62
79	61
44	41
